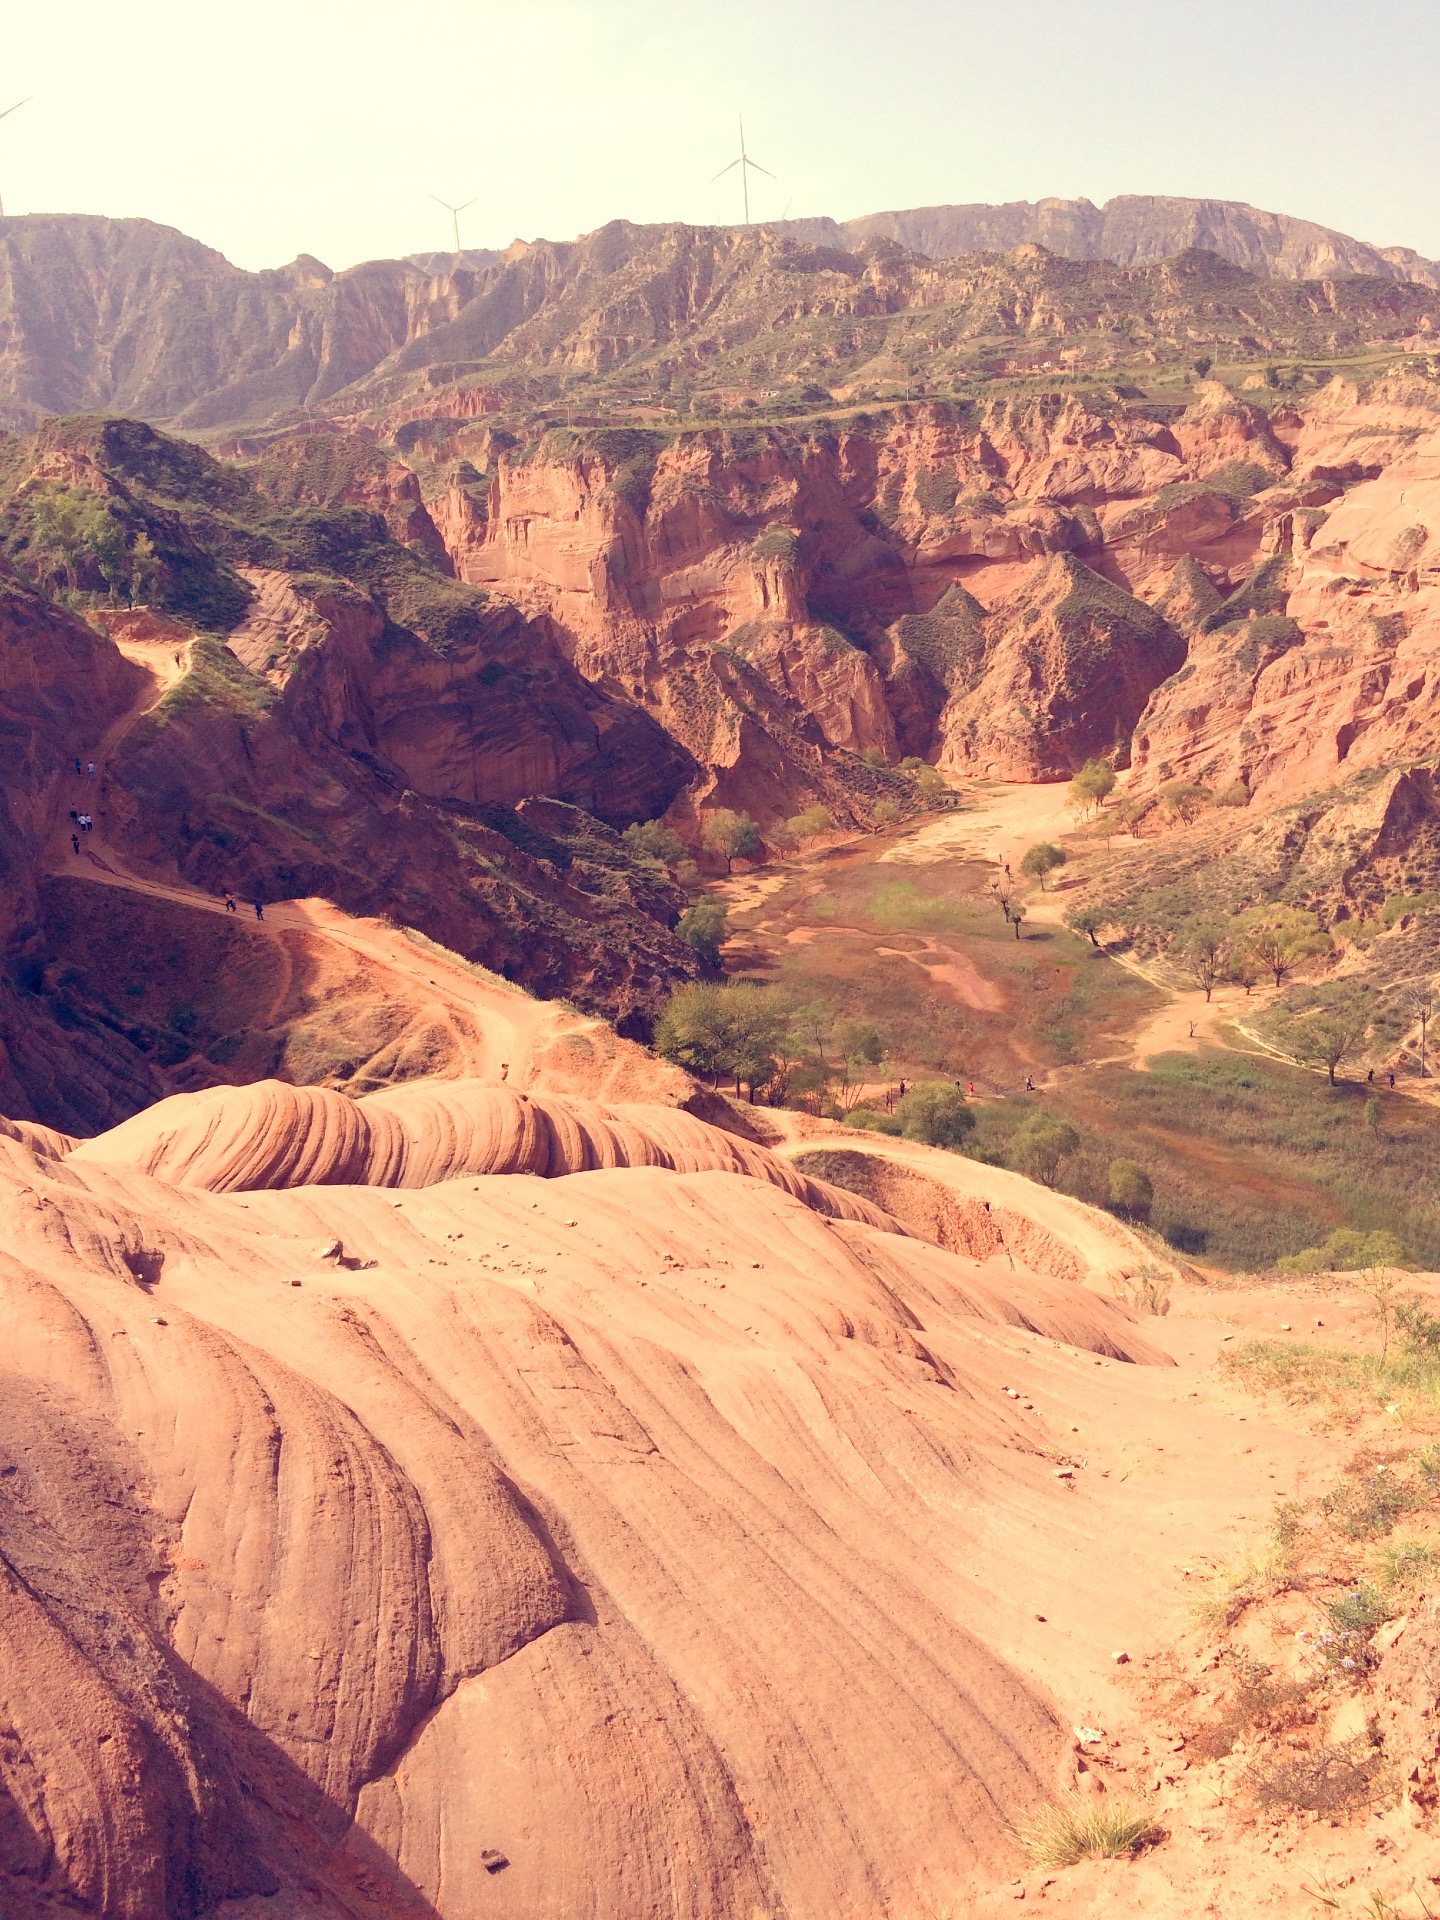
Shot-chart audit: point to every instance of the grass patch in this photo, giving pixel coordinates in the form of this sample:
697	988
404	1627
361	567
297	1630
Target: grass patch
1252	1159
1344	1377
472	967
1070	1830
959	997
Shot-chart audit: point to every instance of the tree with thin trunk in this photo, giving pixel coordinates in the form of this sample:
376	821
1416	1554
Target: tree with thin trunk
1281	937
1040	860
734	836
1131	1189
1330	1031
1203	955
1087	920
1015	913
1040	1144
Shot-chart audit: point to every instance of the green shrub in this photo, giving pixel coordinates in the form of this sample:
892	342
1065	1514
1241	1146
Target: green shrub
873	1120
1400	905
777	543
936	1114
653	840
1131	1188
1040	1144
1348	1251
704	926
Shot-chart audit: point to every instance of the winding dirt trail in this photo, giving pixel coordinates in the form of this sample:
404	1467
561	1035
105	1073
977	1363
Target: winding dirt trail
500	1032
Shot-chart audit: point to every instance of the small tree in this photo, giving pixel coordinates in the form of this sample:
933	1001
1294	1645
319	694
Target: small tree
1015	913
733	1030
1091	786
1131	1189
1183	800
885	813
1202	364
1087	920
1327	1033
860	1048
704	926
1203	955
1041	859
1281	937
936	1114
1041	1143
1375	1114
759	1029
810	824
733	836
693	1030
146	569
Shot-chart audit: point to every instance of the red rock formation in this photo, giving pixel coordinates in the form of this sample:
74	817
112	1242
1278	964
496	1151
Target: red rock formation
61	686
601	1545
1336	667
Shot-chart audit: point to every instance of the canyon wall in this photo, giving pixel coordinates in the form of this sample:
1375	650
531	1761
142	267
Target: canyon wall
1006	590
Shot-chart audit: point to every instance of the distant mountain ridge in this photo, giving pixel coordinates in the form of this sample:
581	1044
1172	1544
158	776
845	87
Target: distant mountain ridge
1132	230
130	317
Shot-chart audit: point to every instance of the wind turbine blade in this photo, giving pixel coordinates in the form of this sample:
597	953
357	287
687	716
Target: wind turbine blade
467	203
17	106
759	169
439	202
723	171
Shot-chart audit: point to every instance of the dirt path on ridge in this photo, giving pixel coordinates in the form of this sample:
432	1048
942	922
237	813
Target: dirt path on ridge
501	1031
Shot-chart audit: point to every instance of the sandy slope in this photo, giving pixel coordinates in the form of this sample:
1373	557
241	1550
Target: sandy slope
646	1530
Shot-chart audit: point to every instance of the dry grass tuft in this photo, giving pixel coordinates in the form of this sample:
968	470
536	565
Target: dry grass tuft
1147	1291
1105	1828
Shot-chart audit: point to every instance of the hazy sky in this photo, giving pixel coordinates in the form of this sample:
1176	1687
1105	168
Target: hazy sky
282	126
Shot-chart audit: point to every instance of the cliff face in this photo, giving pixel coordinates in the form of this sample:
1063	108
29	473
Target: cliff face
788	599
384	739
1328	661
61	686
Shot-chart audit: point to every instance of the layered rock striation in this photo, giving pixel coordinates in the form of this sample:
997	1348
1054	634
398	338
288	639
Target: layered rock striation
360	1544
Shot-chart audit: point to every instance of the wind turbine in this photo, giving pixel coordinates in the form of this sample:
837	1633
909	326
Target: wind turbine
747	166
9	110
454	212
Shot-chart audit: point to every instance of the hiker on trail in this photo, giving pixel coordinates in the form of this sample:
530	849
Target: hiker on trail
1392	1079
77	766
504	1069
1029	1084
1369	1076
89	769
230	903
970	1090
73	814
1192	1029
902	1089
259	910
75	841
